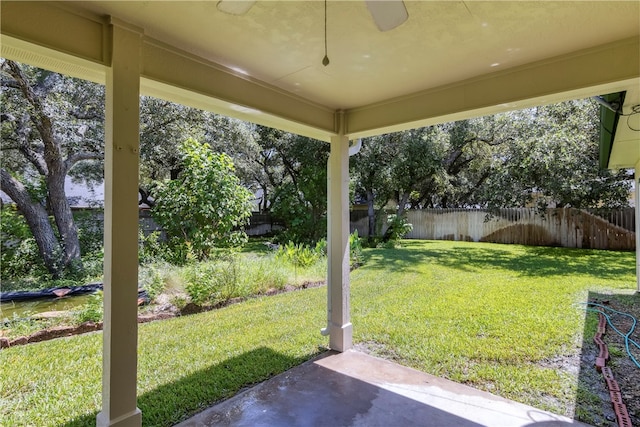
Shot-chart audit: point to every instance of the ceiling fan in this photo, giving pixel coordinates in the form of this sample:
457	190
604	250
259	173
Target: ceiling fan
387	14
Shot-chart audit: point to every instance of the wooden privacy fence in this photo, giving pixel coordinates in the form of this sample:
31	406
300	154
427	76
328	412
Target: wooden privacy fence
566	227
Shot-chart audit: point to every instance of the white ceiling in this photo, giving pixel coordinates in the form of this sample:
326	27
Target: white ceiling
443	42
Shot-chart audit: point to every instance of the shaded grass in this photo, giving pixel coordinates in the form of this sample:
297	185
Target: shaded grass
184	364
475	313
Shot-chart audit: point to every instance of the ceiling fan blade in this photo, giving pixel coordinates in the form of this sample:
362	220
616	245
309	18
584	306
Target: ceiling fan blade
387	14
235	7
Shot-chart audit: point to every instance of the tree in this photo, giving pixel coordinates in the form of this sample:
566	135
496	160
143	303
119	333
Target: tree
552	160
296	167
371	173
205	206
50	123
164	126
544	156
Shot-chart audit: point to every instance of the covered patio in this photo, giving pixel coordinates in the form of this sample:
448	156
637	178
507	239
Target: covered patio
355	389
448	61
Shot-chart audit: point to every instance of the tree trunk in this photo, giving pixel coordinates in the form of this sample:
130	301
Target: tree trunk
53	167
37	220
64	219
404	198
371	213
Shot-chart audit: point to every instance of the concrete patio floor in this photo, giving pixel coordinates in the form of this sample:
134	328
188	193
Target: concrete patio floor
356	389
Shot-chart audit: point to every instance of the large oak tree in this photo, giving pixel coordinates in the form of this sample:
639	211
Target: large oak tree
50	124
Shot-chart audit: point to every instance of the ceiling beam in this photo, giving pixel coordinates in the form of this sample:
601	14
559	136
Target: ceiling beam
57	37
208	85
603	69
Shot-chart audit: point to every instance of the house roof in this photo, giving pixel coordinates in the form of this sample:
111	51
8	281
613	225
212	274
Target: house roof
450	60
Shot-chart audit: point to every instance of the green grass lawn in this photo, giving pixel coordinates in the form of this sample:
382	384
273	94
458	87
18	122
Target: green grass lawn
496	317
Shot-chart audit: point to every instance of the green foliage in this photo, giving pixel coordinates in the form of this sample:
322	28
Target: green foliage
22	265
91	311
299	255
475	308
90	230
242	275
19	253
152	278
204	208
57	121
152	248
215	281
355	250
552	160
398	227
297	167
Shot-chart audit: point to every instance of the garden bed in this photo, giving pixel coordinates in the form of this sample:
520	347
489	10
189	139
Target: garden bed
151	313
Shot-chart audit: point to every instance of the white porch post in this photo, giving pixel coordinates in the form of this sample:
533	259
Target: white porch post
637	184
120	336
340	329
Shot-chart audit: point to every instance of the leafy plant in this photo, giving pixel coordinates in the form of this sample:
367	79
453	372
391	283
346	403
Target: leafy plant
92	311
206	207
152	278
214	281
299	255
356	257
398	227
19	253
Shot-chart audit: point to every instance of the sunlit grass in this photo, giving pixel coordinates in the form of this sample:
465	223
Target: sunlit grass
491	316
487	315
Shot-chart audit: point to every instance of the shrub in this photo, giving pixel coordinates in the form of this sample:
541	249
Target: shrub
19	252
299	255
152	278
204	208
398	228
355	250
92	310
90	230
215	281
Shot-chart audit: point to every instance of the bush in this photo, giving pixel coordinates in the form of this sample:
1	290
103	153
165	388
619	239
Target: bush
19	252
398	228
206	207
22	265
90	230
300	255
215	281
356	257
152	278
91	311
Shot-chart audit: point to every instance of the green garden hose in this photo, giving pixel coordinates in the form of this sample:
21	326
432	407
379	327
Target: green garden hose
627	337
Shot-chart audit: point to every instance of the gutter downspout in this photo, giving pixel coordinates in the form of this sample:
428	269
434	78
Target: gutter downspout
353	150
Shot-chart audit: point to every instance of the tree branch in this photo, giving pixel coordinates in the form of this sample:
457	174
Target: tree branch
86	115
38	117
78	157
14	188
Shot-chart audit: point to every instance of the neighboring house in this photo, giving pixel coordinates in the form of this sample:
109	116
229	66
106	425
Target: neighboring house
80	195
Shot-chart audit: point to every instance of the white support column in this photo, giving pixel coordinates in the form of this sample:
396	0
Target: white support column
340	329
120	336
637	184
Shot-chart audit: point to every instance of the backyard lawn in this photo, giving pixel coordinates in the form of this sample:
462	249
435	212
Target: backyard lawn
502	318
